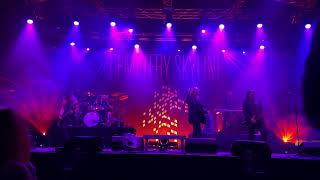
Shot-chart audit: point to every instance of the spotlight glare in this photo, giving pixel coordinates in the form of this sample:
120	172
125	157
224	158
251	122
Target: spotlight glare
223	50
44	133
203	31
259	25
136	46
88	49
179	50
30	21
194	47
111	49
285	139
307	26
169	25
243	52
112	24
221	26
76	23
72	44
130	30
262	47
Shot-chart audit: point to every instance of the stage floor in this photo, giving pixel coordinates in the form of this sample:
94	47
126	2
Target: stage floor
168	165
180	153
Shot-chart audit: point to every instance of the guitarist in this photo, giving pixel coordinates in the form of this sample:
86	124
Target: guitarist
253	116
196	113
69	111
58	132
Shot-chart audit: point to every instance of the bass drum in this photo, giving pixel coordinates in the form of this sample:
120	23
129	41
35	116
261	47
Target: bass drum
91	119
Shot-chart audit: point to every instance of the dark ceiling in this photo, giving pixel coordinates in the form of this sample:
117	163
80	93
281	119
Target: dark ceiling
54	17
157	9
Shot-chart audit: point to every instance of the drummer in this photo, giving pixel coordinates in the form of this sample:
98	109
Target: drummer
103	107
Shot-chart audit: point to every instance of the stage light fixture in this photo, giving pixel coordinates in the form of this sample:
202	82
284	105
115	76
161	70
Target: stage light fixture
194	47
111	49
221	27
130	30
243	52
223	50
136	46
112	24
88	49
262	47
307	26
203	31
169	25
259	25
30	21
72	44
76	23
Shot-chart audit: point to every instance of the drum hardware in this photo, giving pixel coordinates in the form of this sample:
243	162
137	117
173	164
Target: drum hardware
100	110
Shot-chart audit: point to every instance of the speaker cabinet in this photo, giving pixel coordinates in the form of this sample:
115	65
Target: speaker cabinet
256	149
201	145
84	144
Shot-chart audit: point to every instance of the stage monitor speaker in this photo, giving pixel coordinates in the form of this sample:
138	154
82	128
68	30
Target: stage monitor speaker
310	148
201	145
128	142
117	143
257	149
84	144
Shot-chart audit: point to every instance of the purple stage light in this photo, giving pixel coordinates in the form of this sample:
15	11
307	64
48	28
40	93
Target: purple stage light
259	25
136	46
262	47
221	26
112	24
243	52
130	30
307	26
72	44
169	25
111	49
223	50
88	49
179	50
76	23
203	31
30	21
194	47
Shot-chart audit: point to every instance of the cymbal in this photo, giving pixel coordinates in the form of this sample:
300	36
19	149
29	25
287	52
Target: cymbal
123	98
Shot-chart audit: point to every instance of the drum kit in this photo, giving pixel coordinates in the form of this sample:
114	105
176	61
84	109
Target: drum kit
102	110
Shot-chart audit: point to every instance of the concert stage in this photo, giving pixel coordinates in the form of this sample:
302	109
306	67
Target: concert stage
101	74
166	165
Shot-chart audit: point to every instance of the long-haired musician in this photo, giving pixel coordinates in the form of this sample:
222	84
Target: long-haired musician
196	114
253	116
69	111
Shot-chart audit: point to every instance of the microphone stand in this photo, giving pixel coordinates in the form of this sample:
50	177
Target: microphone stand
297	124
296	116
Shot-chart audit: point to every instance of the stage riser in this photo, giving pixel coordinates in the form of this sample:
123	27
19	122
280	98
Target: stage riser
166	166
